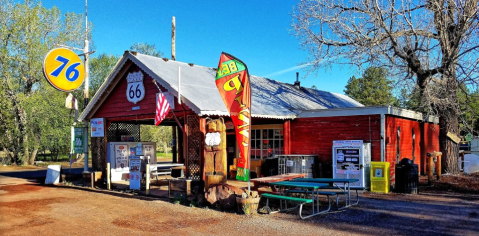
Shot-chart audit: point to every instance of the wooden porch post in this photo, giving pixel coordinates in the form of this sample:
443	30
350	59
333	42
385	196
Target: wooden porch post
287	137
174	152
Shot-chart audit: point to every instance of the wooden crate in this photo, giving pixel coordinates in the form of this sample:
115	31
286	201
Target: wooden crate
179	188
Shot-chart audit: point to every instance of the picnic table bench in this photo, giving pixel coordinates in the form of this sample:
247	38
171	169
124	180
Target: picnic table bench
299	200
300	189
343	185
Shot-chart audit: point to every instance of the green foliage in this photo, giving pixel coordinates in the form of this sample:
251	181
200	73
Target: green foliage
161	135
410	100
373	89
148	49
32	113
469	106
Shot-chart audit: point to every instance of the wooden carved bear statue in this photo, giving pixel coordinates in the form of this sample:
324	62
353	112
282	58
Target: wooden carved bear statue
215	147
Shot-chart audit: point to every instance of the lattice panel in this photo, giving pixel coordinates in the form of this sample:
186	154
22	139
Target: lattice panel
114	133
116	130
98	153
194	147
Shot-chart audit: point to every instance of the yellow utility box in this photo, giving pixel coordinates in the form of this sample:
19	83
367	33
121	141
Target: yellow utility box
380	177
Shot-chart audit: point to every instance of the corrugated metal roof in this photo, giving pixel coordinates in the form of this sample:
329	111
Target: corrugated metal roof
270	98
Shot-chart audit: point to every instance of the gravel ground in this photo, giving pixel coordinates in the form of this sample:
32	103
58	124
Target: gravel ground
29	209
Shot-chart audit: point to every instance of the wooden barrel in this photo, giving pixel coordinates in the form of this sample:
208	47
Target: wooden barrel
247	205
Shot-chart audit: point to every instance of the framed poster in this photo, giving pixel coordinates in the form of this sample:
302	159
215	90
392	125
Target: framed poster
97	127
121	156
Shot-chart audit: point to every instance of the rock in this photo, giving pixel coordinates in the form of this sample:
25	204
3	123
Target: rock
223	195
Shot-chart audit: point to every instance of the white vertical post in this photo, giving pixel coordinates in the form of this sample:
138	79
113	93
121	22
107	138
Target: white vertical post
72	146
108	185
147	179
173	39
383	136
86	91
85	146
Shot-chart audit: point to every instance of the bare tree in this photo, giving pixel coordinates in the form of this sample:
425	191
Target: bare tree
431	43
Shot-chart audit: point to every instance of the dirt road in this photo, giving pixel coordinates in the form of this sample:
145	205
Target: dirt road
29	209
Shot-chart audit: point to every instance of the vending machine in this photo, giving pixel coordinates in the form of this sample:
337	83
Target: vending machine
352	160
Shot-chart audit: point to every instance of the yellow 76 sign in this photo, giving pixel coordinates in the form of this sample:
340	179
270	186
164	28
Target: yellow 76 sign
63	69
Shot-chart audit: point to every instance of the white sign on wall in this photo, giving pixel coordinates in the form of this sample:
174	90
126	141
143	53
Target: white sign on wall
289	163
149	151
97	126
135	90
121	156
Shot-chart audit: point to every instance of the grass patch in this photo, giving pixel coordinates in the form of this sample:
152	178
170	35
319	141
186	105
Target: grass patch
163	155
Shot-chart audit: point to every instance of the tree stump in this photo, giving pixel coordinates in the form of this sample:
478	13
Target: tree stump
223	195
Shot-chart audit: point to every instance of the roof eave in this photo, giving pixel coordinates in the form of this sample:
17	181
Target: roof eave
377	110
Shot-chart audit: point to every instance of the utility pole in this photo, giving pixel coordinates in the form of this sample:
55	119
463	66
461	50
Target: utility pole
85	123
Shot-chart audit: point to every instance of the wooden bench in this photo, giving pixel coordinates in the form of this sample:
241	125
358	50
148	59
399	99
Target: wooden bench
300	202
160	172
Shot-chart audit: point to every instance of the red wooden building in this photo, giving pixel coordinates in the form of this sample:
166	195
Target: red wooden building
286	118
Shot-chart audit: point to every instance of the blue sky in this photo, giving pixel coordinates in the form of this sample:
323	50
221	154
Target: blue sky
257	32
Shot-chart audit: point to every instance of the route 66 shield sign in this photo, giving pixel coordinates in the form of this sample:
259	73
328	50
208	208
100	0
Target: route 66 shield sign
135	90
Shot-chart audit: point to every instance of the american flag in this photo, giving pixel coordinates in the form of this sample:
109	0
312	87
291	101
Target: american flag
162	108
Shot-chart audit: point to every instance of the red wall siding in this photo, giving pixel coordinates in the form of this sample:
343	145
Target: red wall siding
117	105
405	141
430	142
316	135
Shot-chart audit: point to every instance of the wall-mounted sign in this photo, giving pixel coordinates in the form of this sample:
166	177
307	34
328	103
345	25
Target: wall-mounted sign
135	90
97	127
63	69
127	138
453	137
121	156
289	163
149	151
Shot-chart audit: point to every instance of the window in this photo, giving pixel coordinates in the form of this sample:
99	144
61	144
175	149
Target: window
266	142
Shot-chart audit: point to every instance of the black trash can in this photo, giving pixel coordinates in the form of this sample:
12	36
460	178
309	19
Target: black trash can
407	177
